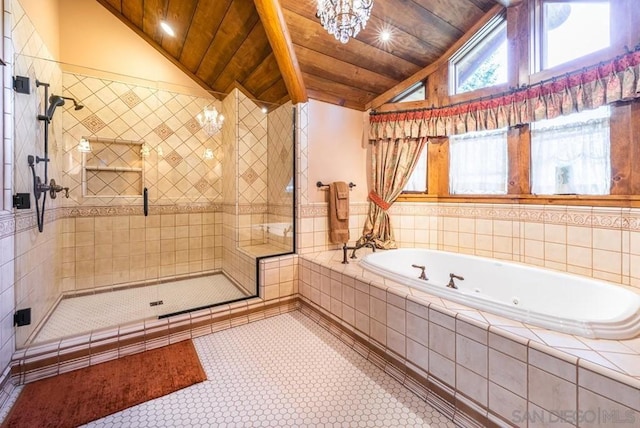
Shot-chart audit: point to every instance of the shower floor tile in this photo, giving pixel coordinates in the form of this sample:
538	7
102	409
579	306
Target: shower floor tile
82	314
282	371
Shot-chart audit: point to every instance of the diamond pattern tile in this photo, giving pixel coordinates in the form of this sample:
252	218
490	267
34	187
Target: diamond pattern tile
110	183
130	98
193	126
160	118
173	158
163	131
280	155
249	176
202	185
93	123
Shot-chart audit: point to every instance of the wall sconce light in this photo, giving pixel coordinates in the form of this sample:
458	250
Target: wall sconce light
208	154
145	150
84	146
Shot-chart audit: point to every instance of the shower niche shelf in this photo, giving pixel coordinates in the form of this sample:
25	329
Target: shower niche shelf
113	168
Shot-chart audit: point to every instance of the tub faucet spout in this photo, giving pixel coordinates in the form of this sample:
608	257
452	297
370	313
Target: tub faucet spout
368	242
451	283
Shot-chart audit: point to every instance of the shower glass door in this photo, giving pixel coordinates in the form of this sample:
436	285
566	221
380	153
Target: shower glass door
217	201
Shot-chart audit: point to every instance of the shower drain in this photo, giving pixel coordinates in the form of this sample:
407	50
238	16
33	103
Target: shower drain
156	303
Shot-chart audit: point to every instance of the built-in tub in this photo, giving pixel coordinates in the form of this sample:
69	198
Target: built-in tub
557	301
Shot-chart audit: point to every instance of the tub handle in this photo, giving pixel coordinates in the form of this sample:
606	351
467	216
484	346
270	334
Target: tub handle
422	274
452	283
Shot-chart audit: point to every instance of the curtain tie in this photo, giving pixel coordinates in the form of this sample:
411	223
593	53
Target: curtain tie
377	199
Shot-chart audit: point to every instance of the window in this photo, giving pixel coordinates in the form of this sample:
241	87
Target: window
570	154
481	62
572	29
415	92
418	181
478	163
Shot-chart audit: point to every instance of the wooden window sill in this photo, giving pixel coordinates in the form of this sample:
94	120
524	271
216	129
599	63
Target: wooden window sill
620	201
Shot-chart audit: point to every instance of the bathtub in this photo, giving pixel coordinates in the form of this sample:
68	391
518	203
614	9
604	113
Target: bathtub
277	229
556	301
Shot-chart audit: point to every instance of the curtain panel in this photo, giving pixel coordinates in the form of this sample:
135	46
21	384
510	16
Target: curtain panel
392	162
605	83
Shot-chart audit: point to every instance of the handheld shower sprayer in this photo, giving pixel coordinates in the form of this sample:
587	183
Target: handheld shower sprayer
43	187
54	101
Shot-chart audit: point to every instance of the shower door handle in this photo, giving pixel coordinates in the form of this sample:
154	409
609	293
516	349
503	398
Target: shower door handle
145	198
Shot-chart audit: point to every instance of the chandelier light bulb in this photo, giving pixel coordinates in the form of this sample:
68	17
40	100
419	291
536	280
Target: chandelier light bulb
344	18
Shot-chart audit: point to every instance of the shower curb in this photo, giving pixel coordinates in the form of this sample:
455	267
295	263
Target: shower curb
52	358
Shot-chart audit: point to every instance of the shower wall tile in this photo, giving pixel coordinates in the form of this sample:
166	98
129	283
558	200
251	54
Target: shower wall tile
7	241
33	280
175	170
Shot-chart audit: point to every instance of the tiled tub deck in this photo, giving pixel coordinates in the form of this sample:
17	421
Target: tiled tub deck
477	367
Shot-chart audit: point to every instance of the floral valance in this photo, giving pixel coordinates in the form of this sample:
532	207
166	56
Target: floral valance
592	87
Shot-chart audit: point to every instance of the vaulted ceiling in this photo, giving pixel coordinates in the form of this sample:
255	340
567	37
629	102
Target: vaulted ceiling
223	44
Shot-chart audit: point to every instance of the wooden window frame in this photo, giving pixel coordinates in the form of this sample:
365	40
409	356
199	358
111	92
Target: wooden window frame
470	46
624	122
539	40
426	180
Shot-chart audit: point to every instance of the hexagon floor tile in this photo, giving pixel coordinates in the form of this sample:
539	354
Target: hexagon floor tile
282	371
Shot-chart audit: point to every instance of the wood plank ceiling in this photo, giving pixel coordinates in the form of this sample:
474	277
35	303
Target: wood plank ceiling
219	43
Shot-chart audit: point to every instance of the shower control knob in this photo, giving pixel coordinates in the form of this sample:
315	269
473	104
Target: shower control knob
55	188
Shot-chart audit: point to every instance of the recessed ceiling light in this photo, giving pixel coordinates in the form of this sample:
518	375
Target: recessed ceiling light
385	35
167	28
265	110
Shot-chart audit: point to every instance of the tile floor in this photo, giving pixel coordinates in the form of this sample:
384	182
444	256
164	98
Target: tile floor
95	311
282	371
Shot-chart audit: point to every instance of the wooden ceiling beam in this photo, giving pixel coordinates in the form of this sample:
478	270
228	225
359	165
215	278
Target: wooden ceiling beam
425	72
353	97
279	38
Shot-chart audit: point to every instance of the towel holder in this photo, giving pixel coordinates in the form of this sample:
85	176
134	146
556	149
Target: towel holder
319	184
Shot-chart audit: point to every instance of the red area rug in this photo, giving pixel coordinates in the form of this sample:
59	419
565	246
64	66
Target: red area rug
84	395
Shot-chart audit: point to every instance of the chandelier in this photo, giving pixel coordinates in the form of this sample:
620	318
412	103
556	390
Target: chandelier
210	121
344	18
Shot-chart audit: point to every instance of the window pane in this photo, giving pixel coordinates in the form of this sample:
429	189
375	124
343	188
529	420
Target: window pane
418	180
574	29
570	154
484	64
478	163
417	95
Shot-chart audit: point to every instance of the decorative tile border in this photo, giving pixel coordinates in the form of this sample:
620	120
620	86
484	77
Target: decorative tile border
597	217
259	208
280	209
20	222
321	209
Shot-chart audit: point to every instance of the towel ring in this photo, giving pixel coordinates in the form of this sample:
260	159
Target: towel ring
319	184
